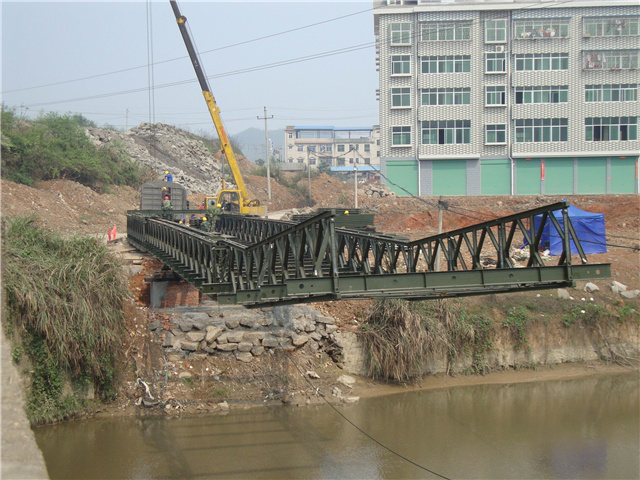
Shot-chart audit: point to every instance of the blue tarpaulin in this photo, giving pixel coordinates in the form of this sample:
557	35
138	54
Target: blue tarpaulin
588	226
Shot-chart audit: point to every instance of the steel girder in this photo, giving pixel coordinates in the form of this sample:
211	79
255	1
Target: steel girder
257	261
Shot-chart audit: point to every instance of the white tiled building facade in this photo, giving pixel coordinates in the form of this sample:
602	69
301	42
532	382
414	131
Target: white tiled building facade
509	97
332	146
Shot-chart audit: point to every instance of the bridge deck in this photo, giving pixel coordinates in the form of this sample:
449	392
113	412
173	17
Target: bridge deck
256	261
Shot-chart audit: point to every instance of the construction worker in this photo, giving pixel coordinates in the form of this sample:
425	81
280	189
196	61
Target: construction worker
168	177
166	203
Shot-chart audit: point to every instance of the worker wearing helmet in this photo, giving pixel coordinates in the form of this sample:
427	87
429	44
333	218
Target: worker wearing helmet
168	177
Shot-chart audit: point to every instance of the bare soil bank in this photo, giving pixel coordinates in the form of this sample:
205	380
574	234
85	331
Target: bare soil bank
72	208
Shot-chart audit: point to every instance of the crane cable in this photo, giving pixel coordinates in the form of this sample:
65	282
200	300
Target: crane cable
322	395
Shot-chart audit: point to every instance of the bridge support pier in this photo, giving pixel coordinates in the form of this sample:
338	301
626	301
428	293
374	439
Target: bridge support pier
168	290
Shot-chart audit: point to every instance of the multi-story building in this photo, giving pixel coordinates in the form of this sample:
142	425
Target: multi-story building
331	146
509	96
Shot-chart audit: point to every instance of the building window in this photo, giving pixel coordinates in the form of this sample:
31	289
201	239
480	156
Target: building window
495	95
290	159
367	161
495	134
543	94
542	130
367	147
400	136
328	148
290	134
290	146
430	32
445	132
495	63
446	64
542	28
446	96
611	60
606	129
400	33
527	62
611	26
340	148
611	93
312	161
400	65
311	148
301	148
400	97
341	162
495	31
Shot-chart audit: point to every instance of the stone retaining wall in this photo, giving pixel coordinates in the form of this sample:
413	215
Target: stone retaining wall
244	333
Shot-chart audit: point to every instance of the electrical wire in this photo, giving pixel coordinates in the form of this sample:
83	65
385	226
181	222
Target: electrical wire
322	395
220	75
186	56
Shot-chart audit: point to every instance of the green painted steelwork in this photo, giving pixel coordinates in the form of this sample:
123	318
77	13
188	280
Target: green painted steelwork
496	176
256	261
592	175
449	177
623	175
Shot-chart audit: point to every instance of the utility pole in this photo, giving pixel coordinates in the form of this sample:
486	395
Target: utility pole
266	150
441	207
309	174
355	182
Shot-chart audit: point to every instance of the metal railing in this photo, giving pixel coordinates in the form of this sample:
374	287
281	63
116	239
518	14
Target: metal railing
257	261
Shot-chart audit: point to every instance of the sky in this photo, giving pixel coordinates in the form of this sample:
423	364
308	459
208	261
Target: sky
308	63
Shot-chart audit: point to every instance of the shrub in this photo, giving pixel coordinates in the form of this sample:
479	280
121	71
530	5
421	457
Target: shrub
64	301
56	146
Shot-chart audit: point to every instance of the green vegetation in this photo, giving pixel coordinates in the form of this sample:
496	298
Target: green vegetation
518	319
399	335
55	146
64	313
591	315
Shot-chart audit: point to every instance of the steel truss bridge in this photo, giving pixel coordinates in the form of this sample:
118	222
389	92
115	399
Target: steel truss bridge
257	262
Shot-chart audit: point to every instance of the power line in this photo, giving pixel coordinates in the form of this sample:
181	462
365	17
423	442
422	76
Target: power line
317	390
220	75
186	56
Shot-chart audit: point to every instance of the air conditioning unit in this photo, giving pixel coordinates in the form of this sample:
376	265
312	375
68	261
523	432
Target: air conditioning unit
500	48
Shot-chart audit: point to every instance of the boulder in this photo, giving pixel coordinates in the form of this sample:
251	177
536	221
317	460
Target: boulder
270	341
591	287
227	347
630	294
299	340
232	323
245	357
168	340
189	346
196	336
346	380
212	333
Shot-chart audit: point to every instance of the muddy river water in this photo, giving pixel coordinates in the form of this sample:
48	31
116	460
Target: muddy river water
579	428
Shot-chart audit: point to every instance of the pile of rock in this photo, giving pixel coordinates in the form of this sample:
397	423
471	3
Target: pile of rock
163	148
375	190
244	333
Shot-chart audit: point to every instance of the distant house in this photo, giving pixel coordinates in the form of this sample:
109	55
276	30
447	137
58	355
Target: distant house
331	146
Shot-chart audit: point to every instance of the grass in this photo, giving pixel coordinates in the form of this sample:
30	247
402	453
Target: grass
64	301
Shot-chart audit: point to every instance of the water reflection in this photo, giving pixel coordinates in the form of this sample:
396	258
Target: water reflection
586	428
